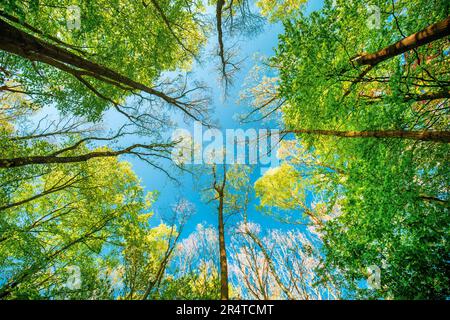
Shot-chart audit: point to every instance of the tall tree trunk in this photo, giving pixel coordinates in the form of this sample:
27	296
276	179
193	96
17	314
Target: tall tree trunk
435	136
430	96
53	158
222	253
219	8
431	33
14	40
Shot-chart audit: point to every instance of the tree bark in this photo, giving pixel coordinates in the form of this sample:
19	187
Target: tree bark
14	40
52	159
222	253
9	286
219	188
430	96
272	267
431	33
435	136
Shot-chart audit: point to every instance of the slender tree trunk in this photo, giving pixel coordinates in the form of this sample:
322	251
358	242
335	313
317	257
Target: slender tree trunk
272	267
435	136
222	253
431	33
169	26
434	199
219	8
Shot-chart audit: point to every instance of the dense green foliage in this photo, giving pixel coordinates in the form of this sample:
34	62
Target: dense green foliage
392	194
117	34
84	85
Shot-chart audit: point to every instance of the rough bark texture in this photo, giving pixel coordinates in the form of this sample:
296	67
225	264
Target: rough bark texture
435	136
219	188
272	267
14	40
223	254
50	159
431	33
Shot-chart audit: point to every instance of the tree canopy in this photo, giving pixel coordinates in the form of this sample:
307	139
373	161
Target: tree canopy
356	205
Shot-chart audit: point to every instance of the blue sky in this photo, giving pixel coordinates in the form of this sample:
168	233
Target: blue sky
263	44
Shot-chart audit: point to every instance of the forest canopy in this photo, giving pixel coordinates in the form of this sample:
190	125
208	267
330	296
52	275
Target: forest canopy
93	204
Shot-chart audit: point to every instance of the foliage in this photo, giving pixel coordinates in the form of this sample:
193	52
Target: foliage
279	9
118	34
70	220
385	201
76	223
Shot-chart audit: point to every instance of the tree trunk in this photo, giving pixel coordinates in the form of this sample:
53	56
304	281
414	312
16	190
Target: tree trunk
430	96
14	40
23	161
435	136
52	158
219	8
222	253
431	33
271	265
